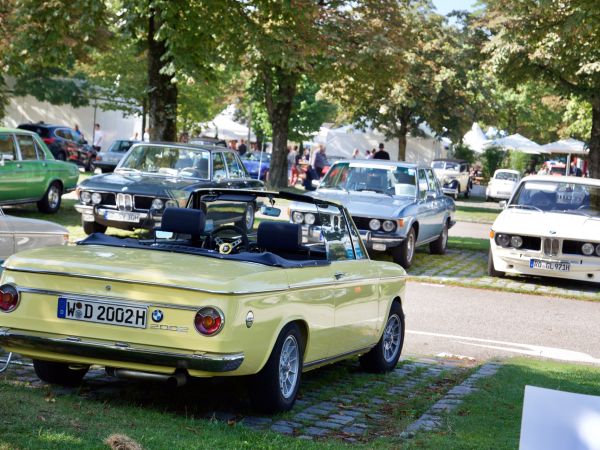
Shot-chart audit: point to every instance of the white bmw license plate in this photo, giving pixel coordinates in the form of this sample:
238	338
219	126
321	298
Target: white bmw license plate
100	312
122	216
379	247
557	266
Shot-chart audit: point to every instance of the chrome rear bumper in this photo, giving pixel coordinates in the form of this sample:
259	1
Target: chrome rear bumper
119	351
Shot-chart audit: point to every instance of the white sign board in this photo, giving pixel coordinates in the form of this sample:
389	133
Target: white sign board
557	420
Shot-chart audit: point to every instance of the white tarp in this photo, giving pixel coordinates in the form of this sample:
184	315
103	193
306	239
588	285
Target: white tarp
114	124
566	146
342	141
519	143
557	420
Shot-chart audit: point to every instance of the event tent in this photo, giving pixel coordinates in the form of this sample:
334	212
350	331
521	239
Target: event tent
476	139
223	126
519	143
566	146
340	142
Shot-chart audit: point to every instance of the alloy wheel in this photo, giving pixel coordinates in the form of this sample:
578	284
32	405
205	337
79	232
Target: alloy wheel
391	338
289	365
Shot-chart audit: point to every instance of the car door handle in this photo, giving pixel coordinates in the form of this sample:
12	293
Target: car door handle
339	275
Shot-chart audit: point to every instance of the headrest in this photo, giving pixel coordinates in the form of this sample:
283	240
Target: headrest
279	236
183	221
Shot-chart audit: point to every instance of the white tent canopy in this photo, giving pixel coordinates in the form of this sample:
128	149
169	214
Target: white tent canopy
475	138
566	146
342	141
224	127
519	143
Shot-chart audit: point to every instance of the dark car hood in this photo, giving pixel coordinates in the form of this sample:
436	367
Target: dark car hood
142	184
366	204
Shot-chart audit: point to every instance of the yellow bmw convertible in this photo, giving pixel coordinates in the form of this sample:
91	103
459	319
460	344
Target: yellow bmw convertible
225	287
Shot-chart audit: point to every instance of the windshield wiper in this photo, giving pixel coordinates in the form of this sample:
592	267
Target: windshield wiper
577	212
339	188
377	191
128	169
526	207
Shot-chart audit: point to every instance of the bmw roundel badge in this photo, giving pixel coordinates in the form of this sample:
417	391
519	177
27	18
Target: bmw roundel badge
157	315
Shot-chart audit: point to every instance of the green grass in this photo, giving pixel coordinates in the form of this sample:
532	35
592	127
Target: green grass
466	243
491	418
476	214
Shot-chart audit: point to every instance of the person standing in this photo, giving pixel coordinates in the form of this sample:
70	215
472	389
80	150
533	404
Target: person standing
291	161
78	131
381	154
242	148
320	160
355	153
98	138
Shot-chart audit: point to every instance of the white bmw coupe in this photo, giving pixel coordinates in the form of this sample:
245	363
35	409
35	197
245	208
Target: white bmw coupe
550	227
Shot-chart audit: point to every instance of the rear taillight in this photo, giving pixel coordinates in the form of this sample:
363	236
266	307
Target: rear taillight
9	298
209	321
49	140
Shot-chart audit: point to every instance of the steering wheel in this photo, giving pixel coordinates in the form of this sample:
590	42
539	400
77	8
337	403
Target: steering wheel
227	245
190	171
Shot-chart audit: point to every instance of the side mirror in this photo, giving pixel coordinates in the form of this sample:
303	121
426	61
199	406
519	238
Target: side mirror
270	211
431	196
502	204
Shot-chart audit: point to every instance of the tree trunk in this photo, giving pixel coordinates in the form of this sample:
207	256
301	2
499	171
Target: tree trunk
162	93
280	89
594	156
402	132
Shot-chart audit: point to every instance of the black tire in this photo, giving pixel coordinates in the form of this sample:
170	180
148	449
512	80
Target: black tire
93	227
50	202
58	373
492	272
467	192
384	356
405	252
248	222
439	246
266	392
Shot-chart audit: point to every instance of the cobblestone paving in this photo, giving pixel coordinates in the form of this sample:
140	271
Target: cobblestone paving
342	409
469	268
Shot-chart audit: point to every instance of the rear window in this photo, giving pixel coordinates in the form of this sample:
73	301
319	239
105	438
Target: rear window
42	131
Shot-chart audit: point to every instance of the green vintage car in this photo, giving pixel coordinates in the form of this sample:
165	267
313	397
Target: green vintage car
29	173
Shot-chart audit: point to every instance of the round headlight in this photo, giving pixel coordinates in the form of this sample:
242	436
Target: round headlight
309	218
297	217
171	204
157	203
96	198
85	197
388	225
598	249
516	241
587	249
374	224
503	240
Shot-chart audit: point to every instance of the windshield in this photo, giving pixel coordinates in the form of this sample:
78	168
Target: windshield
391	180
507	176
169	161
255	156
559	197
445	165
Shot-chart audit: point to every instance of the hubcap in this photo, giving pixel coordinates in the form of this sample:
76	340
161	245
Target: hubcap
249	217
53	197
391	338
410	247
289	364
